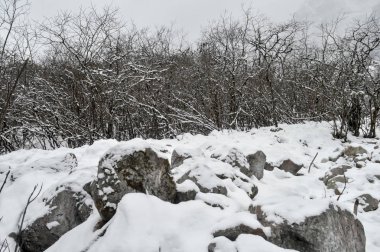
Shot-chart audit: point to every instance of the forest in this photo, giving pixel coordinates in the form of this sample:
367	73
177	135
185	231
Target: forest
89	75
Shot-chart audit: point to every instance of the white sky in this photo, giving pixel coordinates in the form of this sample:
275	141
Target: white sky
191	15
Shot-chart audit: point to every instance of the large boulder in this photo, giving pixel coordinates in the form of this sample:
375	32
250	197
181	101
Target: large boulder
130	168
333	230
257	163
67	210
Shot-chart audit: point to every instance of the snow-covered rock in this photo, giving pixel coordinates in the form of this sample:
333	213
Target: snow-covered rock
335	171
368	202
334	229
241	223
290	166
235	158
181	153
354	150
211	176
134	166
68	209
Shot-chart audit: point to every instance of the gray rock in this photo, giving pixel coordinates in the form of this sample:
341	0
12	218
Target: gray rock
340	170
88	187
185	196
363	157
211	247
333	230
191	194
140	171
210	175
180	154
353	151
289	166
254	192
371	179
335	158
368	202
70	161
256	165
218	189
269	166
324	160
177	160
68	210
252	165
360	164
236	159
234	232
331	183
337	153
221	244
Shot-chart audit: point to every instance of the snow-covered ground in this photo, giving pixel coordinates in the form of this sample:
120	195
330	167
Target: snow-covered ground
145	223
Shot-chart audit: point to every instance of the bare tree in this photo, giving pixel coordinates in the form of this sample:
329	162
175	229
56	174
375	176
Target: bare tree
13	60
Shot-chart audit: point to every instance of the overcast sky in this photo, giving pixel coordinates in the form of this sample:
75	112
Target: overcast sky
191	15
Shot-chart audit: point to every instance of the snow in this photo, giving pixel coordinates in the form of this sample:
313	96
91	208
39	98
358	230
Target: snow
52	224
108	190
223	244
186	186
145	223
81	237
245	243
184	150
212	173
239	218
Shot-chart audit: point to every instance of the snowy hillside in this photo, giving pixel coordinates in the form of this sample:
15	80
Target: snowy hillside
213	169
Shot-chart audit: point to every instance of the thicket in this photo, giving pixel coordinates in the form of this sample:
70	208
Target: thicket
87	76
